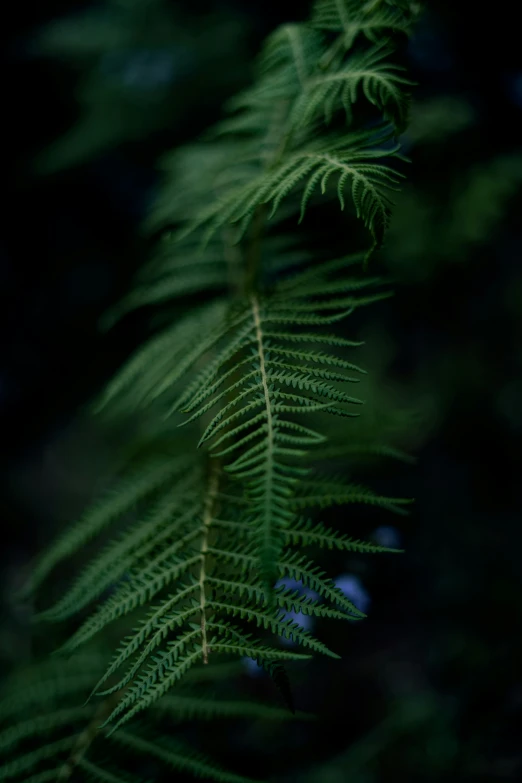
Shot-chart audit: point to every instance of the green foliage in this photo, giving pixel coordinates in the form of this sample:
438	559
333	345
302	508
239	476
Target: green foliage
137	65
190	553
196	555
446	226
63	737
373	19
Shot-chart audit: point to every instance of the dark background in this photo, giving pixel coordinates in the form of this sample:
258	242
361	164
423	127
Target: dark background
430	686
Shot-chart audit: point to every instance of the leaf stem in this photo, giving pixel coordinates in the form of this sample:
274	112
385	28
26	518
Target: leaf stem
208	514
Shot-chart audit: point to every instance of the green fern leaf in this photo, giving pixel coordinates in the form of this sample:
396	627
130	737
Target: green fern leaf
67	741
374	20
324	492
307	533
261	397
353	158
143	483
380	81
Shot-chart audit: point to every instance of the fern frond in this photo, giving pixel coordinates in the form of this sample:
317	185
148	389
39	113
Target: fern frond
167	670
307	533
370	72
143	483
323	492
188	707
297	567
164	359
180	269
192	171
200	570
171	556
287	62
175	756
352	18
259	390
43	724
67	740
29	760
352	158
134	545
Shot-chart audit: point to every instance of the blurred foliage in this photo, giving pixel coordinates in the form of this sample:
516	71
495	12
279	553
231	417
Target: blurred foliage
140	66
56	696
419	728
398	417
443	222
434	119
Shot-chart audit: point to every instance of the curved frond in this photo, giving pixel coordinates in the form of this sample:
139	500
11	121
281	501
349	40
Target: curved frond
368	72
354	158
